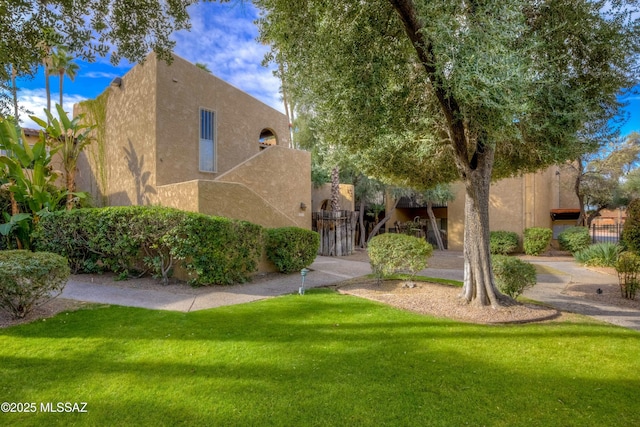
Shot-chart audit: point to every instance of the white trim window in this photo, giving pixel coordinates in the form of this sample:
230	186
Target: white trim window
207	141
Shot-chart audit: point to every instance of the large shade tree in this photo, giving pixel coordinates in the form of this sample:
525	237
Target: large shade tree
435	91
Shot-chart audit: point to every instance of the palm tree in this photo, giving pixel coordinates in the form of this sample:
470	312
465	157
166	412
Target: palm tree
61	64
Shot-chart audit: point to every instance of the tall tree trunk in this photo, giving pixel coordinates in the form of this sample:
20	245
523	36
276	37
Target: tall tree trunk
479	284
71	184
61	85
14	94
47	85
335	189
363	236
434	225
582	218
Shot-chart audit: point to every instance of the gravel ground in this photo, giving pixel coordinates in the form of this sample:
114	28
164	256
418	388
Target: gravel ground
443	301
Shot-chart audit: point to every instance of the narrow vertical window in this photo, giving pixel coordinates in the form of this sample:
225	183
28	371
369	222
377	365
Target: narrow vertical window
207	141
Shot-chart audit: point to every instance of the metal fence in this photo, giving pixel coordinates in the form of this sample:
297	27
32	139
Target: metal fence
605	233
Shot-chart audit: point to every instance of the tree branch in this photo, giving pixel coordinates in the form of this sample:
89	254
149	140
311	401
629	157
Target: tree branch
413	27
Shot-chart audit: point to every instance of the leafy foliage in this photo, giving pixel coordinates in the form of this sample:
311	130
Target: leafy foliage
213	250
503	242
599	255
630	237
628	268
291	248
28	279
536	240
574	239
513	276
69	137
392	253
88	28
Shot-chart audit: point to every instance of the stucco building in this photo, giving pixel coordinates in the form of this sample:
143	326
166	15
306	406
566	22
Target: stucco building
544	199
177	136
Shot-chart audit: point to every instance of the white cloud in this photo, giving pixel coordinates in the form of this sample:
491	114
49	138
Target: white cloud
99	75
223	37
35	100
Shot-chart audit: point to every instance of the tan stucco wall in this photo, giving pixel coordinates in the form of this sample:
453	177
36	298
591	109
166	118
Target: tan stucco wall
282	177
227	199
322	193
182	90
516	203
152	133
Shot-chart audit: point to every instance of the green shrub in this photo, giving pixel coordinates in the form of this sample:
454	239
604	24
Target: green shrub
599	255
628	267
217	250
536	240
513	275
394	253
28	279
574	239
630	238
291	248
213	250
503	242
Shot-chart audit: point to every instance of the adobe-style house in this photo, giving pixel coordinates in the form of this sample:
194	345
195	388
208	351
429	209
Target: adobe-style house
544	199
177	136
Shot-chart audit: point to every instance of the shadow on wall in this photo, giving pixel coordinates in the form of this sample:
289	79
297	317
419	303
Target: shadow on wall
140	179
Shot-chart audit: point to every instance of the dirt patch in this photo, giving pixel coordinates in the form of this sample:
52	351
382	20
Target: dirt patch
44	311
443	301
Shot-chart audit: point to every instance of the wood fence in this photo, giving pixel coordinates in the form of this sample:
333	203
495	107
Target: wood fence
337	232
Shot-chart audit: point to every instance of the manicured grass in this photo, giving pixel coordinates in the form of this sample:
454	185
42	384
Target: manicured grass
320	359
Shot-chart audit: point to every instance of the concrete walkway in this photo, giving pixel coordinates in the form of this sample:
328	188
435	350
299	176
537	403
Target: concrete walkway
551	286
328	270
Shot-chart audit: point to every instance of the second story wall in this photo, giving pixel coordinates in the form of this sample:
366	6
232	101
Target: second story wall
238	121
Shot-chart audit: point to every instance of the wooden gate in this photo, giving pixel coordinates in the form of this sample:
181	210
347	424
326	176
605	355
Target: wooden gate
337	231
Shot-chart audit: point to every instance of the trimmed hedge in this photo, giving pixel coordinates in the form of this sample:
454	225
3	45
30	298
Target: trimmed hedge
213	250
513	275
574	239
291	248
503	242
28	279
391	253
536	240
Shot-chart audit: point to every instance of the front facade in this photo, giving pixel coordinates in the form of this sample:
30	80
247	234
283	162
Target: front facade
177	136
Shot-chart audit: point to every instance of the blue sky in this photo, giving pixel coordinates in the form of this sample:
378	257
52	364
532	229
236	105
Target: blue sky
223	37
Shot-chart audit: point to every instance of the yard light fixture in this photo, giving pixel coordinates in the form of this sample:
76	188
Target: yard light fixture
303	273
117	82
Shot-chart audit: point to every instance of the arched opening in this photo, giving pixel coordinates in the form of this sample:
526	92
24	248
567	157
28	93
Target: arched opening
267	138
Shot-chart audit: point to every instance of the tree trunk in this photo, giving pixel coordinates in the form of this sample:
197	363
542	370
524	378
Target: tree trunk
70	178
479	284
14	93
434	224
576	187
61	85
335	189
363	236
384	220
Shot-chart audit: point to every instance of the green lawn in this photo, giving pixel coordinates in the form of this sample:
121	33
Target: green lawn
318	359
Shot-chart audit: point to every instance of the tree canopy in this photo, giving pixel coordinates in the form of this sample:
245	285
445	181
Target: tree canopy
430	92
115	28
